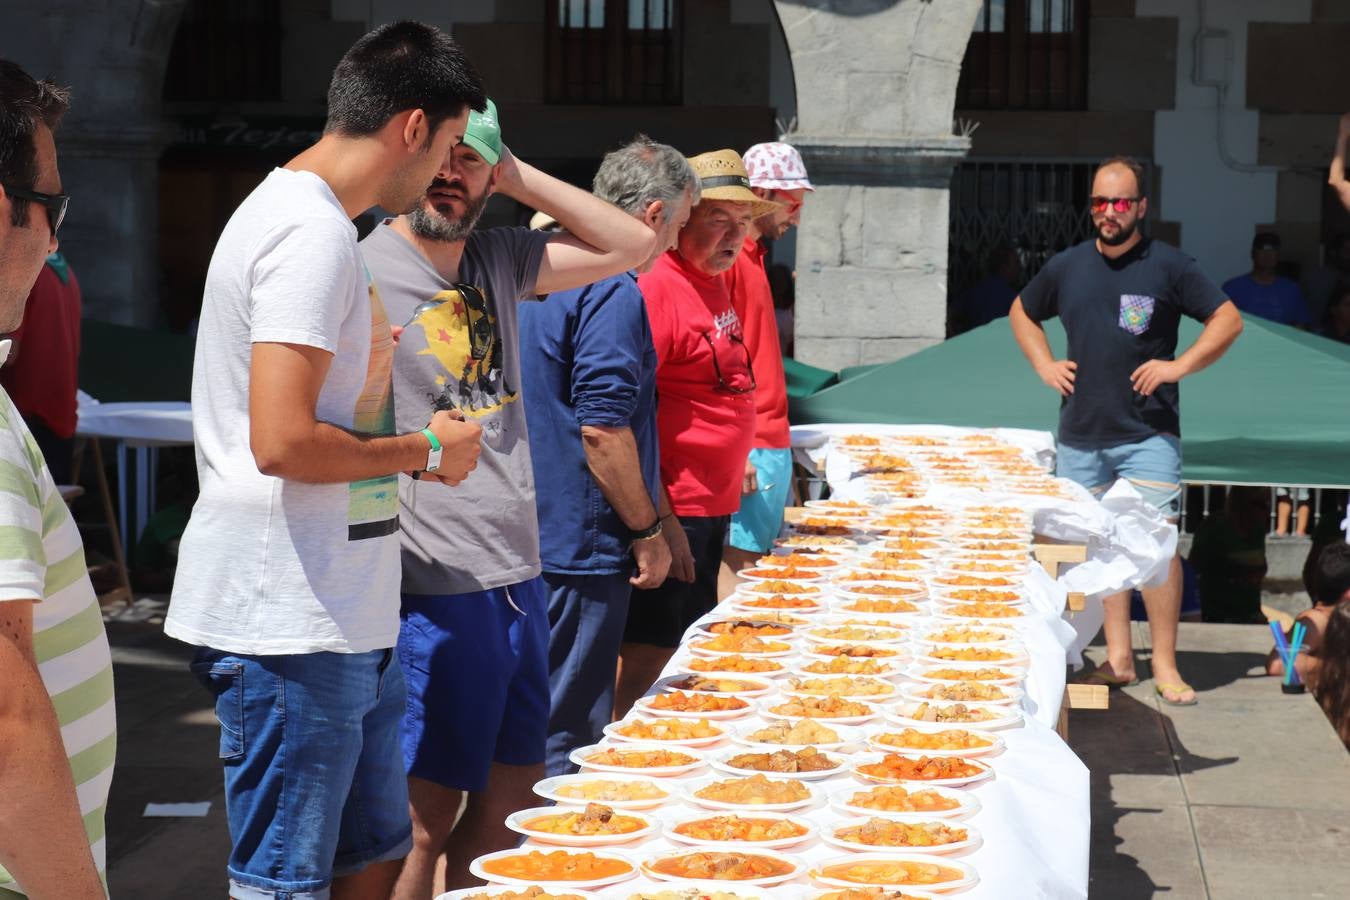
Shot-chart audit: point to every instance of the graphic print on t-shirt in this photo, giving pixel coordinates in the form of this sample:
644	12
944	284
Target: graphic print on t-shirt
372	504
461	335
1136	311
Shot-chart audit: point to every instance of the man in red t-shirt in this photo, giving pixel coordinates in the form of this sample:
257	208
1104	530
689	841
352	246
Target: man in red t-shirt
776	173
705	412
42	371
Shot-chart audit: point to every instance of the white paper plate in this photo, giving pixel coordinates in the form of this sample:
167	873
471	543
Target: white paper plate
798	867
612	732
682	666
926	636
1007	716
759	572
477	870
828	634
578	757
767	713
670	832
985	772
811	651
548	789
914	693
720	764
967	872
849	737
920	673
967	803
821	893
754	685
740	605
1017	655
648	887
769	631
516	822
696	650
973	839
995	742
644	707
888	667
845	684
689	790
822	543
764	589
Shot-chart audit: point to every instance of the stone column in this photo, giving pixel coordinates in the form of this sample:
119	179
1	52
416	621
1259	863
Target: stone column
112	55
876	86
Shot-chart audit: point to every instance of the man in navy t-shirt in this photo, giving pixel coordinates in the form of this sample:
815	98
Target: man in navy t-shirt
1120	298
589	370
1263	293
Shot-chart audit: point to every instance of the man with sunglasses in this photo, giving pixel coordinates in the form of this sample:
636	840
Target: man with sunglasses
475	629
1120	298
57	727
778	174
705	380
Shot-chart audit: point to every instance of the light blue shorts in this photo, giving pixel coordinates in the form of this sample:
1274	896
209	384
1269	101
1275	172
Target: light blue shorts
760	517
1152	466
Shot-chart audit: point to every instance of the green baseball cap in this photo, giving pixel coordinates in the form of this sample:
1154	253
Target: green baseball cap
484	133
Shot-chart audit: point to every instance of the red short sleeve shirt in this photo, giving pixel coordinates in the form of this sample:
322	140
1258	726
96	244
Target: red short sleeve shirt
753	302
44	376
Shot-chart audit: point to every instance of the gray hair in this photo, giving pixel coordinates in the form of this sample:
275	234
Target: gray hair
642	172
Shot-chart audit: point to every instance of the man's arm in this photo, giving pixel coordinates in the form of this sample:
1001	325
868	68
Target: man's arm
1057	374
42	839
612	457
1221	329
1337	178
600	240
289	442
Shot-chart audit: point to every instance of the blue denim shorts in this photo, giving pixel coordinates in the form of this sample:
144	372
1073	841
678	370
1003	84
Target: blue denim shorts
1152	466
476	665
313	784
760	518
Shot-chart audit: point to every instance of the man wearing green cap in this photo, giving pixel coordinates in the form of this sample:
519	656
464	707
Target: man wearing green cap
475	630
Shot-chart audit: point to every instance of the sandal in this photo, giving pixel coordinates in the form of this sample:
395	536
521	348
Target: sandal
1161	689
1103	675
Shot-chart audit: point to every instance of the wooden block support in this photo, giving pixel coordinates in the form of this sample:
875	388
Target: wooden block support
1087	696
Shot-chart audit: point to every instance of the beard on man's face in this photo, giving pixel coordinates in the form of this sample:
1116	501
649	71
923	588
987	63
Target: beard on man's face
439	223
1122	233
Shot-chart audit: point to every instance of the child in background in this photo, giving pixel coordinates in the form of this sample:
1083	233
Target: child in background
1333	683
1331	591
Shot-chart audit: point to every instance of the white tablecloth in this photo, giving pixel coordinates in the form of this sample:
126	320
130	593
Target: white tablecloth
140	424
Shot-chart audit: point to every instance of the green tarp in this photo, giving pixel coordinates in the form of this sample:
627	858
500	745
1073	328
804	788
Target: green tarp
1274	410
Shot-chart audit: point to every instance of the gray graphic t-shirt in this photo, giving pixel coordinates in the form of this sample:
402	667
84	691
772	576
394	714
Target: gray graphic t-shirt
459	351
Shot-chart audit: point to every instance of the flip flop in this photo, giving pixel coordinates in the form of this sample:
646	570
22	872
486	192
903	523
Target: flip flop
1160	688
1100	675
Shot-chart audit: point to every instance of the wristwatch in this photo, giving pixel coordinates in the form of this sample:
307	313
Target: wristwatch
434	454
647	533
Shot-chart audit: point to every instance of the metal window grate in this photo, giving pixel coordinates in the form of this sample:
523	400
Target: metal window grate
613	51
1026	54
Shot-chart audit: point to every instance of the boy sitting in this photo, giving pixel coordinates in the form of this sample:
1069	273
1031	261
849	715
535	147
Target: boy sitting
1331	586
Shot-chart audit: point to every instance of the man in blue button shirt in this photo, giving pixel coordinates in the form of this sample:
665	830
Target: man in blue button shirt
589	370
1263	293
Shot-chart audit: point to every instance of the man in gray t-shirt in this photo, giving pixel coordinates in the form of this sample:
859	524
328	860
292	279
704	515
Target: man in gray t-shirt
473	642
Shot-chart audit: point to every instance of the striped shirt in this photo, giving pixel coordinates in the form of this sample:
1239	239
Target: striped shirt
41	556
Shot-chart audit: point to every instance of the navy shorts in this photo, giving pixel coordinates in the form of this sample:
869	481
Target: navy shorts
476	665
313	785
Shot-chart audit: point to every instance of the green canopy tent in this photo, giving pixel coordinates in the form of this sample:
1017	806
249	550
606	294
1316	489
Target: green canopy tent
1274	410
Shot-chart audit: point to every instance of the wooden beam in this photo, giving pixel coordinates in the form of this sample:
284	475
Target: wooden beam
1087	696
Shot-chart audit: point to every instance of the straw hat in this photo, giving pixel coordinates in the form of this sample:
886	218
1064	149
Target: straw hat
722	176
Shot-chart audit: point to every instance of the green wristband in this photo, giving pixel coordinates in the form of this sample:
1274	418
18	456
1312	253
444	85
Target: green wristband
430	435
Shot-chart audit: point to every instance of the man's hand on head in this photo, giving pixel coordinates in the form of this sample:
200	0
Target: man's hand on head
1156	372
1059	374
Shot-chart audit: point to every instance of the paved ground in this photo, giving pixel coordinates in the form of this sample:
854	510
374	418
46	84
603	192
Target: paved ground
1242	796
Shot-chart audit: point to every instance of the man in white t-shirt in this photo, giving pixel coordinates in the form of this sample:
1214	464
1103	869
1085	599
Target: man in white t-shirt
57	727
288	575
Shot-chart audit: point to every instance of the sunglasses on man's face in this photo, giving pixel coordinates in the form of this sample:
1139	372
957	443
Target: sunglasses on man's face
1119	204
55	204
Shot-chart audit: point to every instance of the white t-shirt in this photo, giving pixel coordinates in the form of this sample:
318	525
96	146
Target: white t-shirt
269	566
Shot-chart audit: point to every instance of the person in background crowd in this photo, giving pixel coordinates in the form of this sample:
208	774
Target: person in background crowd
474	637
51	834
289	567
1264	293
1336	177
589	372
1331	593
991	297
777	174
42	372
1120	298
706	414
1229	557
1320	282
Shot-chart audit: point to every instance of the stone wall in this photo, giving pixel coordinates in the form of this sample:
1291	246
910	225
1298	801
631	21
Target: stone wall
876	81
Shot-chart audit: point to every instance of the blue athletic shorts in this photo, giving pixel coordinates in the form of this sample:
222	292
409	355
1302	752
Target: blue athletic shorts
1152	466
313	785
760	517
476	665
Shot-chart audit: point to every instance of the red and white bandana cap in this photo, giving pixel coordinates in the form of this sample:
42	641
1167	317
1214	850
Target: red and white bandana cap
776	166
